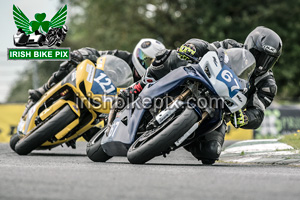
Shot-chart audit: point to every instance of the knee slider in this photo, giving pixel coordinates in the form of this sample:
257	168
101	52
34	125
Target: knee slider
206	150
212	148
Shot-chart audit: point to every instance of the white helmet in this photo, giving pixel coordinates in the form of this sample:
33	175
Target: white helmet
144	53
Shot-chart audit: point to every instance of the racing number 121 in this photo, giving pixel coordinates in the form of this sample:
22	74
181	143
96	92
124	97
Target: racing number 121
105	83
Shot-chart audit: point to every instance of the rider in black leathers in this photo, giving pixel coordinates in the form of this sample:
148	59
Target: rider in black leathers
145	50
264	44
143	53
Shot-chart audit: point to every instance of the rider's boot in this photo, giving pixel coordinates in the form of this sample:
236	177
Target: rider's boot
36	94
208	148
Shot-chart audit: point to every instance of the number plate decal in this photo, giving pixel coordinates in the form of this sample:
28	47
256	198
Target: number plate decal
228	77
102	84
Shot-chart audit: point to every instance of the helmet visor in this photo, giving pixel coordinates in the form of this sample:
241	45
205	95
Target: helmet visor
264	61
143	59
241	61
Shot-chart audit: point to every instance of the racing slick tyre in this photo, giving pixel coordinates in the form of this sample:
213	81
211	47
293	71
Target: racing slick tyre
89	134
208	161
158	140
94	149
46	131
13	141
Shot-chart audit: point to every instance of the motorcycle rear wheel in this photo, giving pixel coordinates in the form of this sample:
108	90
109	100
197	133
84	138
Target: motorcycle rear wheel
142	151
94	149
58	122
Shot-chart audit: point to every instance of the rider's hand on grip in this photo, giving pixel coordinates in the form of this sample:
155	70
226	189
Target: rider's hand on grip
186	51
161	57
239	119
76	57
79	55
129	94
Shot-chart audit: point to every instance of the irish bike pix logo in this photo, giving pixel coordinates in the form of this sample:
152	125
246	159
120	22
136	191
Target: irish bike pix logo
39	36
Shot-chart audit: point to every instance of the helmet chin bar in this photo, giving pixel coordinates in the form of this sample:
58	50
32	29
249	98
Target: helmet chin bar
259	71
136	74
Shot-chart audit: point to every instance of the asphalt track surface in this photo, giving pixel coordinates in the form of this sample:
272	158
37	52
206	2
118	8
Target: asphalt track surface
64	173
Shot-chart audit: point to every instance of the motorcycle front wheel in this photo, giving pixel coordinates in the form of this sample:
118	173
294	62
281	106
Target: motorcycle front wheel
94	149
14	139
154	142
46	131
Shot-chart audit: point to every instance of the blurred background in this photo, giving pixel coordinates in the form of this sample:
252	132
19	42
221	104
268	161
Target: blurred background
120	24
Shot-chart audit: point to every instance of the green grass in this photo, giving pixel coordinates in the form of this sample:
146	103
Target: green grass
292	140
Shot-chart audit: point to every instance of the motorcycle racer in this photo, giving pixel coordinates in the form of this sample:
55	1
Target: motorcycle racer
141	58
266	47
139	61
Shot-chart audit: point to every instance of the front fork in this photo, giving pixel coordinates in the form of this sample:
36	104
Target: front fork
114	109
29	104
191	130
112	115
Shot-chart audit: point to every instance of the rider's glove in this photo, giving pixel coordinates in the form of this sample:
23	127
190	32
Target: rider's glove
161	57
84	53
240	119
230	43
129	94
188	49
76	57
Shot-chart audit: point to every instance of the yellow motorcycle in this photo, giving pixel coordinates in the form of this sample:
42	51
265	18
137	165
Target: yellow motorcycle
73	106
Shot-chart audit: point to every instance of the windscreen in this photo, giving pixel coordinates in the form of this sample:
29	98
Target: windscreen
241	61
118	71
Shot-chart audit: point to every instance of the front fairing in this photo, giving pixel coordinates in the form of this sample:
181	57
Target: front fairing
209	72
229	87
135	111
165	85
174	79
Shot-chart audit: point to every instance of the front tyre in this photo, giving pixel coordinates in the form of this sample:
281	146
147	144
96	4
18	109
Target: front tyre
89	134
94	149
14	139
145	148
57	123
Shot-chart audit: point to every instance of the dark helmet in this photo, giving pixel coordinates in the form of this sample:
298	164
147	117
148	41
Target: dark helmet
266	47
